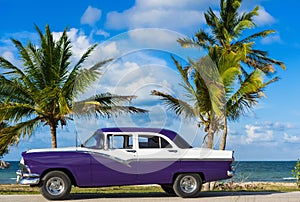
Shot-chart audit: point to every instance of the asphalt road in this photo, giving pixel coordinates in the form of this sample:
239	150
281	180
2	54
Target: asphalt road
210	196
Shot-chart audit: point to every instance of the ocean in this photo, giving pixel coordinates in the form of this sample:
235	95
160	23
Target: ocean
246	171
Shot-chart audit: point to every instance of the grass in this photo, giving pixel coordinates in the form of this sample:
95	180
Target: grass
23	189
250	186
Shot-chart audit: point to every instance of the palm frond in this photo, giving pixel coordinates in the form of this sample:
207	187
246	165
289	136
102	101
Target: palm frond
4	143
105	105
10	135
180	107
108	111
80	79
111	99
259	60
209	85
201	40
255	36
212	20
250	15
187	42
247	95
12	70
14	112
14	91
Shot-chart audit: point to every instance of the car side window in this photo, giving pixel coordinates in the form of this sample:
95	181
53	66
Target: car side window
120	141
152	142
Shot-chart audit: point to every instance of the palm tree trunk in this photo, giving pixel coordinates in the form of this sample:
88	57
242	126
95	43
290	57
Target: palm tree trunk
210	144
207	186
224	135
53	134
210	140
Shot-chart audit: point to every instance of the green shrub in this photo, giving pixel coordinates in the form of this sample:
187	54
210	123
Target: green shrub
296	172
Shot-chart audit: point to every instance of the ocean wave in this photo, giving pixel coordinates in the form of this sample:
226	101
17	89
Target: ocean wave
289	178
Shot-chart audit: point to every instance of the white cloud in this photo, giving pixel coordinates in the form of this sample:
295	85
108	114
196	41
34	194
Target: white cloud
180	15
156	38
170	14
91	16
130	75
105	51
80	42
257	134
264	18
138	40
261	133
290	138
9	56
277	126
102	33
149	4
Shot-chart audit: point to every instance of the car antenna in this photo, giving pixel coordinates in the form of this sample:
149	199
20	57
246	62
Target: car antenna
76	139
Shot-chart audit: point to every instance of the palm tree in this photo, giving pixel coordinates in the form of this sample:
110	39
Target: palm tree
44	90
226	31
209	91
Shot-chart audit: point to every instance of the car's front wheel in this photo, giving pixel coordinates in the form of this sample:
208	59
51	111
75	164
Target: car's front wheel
56	185
187	185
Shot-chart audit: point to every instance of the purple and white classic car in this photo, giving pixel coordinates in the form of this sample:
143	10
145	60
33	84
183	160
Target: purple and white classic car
125	156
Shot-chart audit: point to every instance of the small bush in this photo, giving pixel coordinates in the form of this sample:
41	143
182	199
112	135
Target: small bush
296	172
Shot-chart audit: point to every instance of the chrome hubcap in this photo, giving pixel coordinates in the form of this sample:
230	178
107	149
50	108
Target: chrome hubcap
55	186
188	184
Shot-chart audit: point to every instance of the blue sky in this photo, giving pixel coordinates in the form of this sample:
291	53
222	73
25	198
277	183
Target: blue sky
141	35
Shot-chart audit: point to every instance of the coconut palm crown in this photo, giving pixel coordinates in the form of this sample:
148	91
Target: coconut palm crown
227	30
210	96
44	89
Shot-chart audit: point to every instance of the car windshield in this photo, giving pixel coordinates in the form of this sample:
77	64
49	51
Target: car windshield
95	141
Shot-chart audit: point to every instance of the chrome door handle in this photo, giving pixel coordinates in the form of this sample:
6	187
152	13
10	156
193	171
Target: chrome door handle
173	150
132	151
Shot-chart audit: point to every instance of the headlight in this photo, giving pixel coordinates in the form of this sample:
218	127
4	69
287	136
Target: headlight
24	168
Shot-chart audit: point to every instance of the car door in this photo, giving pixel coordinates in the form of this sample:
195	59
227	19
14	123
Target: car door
157	159
116	163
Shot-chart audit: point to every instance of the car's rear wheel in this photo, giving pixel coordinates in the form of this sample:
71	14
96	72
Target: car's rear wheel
187	185
168	188
56	185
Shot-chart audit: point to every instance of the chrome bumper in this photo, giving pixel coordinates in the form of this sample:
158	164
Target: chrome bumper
27	178
230	173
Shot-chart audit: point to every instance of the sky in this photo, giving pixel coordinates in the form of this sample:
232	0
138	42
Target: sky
141	36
